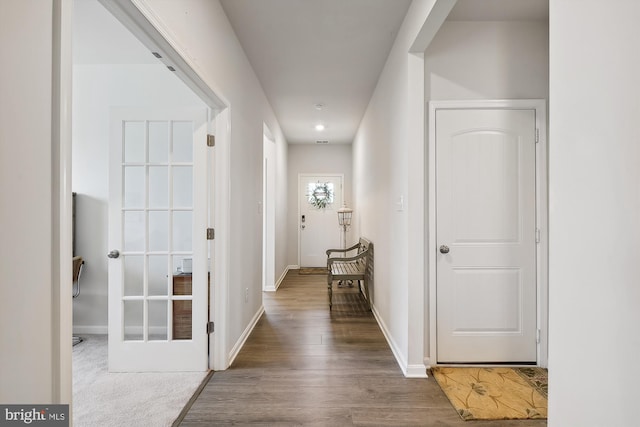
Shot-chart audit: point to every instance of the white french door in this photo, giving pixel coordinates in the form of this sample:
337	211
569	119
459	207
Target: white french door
157	240
318	226
486	235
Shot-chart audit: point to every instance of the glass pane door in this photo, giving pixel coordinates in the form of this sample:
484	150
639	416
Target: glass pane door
157	230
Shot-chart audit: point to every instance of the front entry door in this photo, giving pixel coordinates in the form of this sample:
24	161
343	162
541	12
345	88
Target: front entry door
486	235
318	221
157	241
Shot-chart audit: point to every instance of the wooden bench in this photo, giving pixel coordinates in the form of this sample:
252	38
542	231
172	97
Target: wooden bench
345	267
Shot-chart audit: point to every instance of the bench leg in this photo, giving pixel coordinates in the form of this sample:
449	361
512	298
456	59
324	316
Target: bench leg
330	289
363	288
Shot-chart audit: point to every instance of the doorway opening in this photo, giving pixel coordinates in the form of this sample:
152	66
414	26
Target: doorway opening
120	59
268	210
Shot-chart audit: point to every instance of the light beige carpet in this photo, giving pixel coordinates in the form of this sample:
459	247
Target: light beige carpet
108	399
495	393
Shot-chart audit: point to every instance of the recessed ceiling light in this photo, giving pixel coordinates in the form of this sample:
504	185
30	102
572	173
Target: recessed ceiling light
319	127
319	106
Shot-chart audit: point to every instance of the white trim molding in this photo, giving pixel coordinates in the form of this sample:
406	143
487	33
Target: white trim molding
415	262
219	292
282	276
139	18
90	329
245	335
409	371
61	195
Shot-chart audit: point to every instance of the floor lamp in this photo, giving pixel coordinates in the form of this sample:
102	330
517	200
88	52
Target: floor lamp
344	219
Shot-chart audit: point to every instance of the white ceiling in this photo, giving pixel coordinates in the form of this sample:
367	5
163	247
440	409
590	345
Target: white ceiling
310	52
332	52
500	10
304	52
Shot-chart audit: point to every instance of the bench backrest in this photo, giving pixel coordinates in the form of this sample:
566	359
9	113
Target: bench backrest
364	244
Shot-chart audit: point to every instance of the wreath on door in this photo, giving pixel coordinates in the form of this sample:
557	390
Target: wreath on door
321	196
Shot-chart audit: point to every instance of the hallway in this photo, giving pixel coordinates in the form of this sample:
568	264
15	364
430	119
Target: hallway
304	365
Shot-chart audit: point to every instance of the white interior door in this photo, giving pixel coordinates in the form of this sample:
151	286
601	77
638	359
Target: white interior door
319	229
486	236
157	241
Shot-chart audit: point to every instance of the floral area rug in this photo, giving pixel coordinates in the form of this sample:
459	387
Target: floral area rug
495	393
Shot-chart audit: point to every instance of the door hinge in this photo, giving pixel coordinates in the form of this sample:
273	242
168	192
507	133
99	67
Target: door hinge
211	140
211	234
210	327
538	336
537	235
537	135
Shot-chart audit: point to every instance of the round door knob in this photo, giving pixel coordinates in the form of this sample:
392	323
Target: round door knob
444	249
114	254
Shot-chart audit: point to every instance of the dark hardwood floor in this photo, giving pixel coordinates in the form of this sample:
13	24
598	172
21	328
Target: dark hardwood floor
305	365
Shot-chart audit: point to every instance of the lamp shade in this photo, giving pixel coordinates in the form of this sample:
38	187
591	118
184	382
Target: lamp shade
344	215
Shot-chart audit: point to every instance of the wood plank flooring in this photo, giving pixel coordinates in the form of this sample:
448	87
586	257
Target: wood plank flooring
305	365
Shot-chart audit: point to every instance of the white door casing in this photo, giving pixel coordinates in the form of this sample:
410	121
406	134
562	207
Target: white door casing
157	219
268	213
485	292
319	230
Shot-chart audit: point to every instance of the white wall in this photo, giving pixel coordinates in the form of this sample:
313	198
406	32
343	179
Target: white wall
488	60
26	203
201	29
320	159
594	213
96	89
384	157
465	60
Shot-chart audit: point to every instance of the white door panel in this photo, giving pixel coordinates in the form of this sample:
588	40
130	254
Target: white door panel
157	223
486	283
319	229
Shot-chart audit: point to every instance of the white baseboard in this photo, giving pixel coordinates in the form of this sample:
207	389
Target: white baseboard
243	338
416	371
427	363
90	330
409	371
282	276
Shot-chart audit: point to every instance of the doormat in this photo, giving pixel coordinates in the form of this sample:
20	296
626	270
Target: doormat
495	393
312	271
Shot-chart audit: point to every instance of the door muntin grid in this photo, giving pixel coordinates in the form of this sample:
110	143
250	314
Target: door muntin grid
157	232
